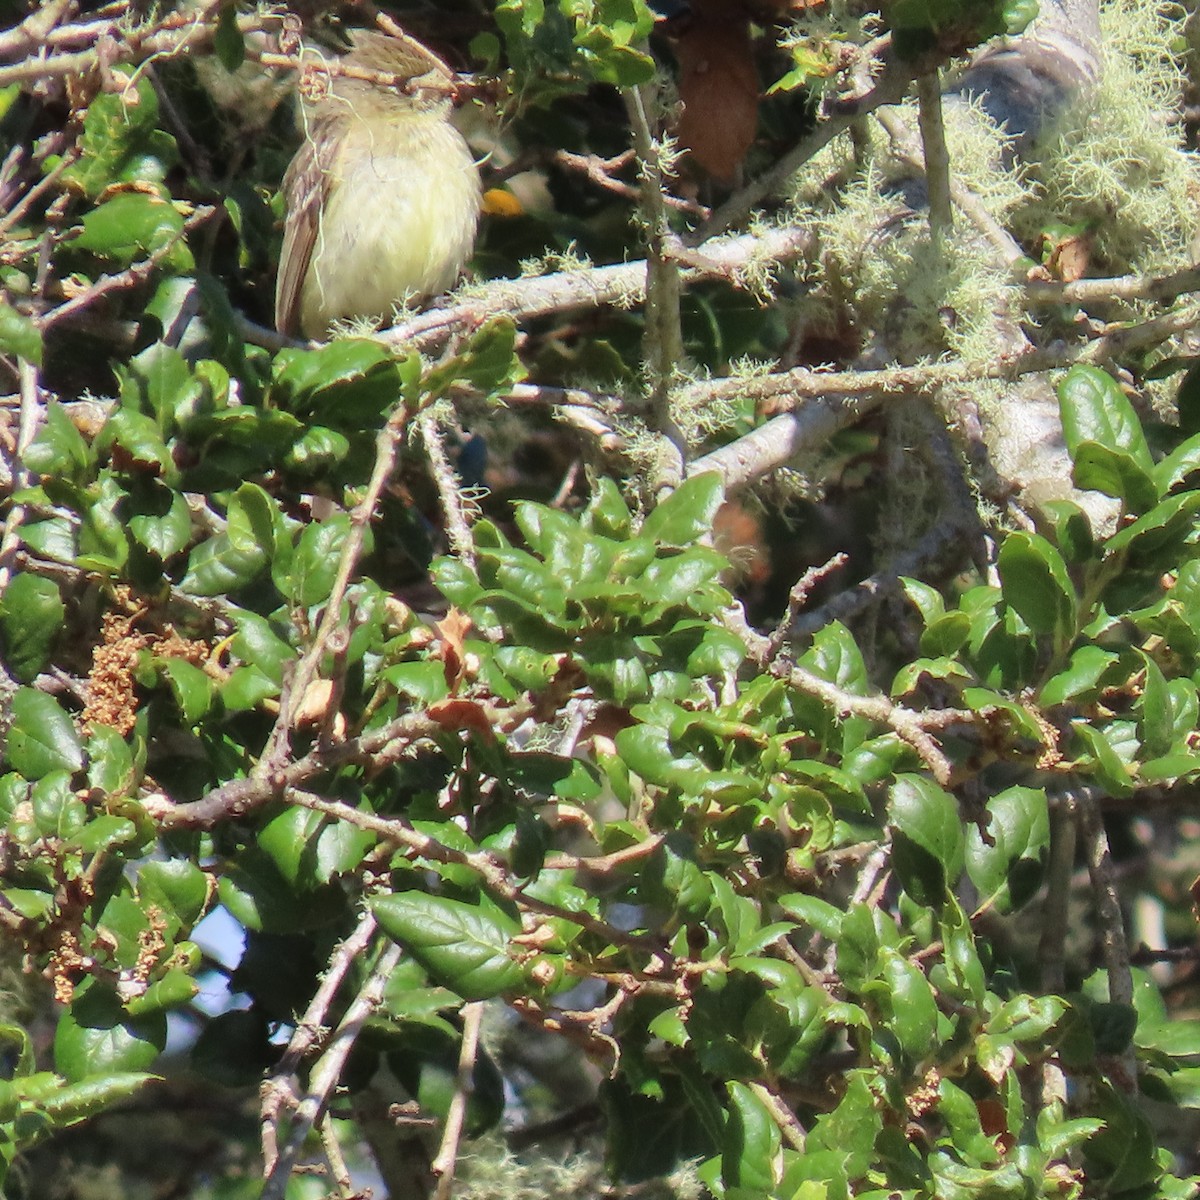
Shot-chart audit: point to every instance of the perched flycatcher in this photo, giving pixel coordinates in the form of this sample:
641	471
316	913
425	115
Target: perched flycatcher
382	196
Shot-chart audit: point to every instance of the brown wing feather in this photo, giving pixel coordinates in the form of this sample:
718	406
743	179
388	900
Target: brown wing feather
304	189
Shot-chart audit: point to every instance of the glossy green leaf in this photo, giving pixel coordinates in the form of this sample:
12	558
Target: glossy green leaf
927	838
176	885
31	616
1035	583
1156	711
687	513
751	1142
1081	678
315	564
310	848
1178	467
191	687
95	1036
463	946
228	41
19	336
1094	409
42	737
1104	761
133	225
1158	531
110	762
1005	858
1115	473
913	1009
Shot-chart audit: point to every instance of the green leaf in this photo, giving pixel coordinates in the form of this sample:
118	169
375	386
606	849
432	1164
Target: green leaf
19	336
303	375
1017	15
687	513
120	140
490	362
928	599
1156	711
1178	467
133	225
819	914
463	946
1105	763
177	886
910	1000
607	513
927	838
57	811
1069	529
315	563
1094	409
257	643
946	634
96	1037
59	449
1035	583
963	969
110	762
103	833
1150	540
1115	473
162	521
174	989
31	616
851	1128
311	848
1007	868
42	737
191	687
751	1142
1080	678
228	42
423	682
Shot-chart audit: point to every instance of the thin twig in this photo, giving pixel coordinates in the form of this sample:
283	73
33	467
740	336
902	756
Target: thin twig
444	1164
889	89
936	156
132	276
599	171
798	597
39	189
907	152
908	724
176	33
449	488
1109	915
328	1071
335	1158
789	1126
662	342
31	415
492	871
387	449
1120	288
1056	912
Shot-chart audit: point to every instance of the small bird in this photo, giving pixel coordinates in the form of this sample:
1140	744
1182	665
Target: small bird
383	195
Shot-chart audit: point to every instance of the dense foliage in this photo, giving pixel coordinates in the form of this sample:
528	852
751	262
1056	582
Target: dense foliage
419	659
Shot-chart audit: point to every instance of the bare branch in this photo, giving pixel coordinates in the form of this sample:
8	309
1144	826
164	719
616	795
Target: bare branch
328	1071
444	1163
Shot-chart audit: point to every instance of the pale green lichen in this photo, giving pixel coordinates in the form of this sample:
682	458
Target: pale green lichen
489	1171
878	260
1115	162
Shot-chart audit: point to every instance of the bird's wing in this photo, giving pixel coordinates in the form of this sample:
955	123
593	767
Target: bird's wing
305	187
